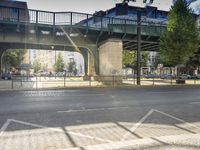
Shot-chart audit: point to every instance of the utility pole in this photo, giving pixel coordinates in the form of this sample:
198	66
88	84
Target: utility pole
1	62
138	47
138	39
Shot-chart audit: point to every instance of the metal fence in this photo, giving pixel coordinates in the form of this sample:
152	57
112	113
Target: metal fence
38	82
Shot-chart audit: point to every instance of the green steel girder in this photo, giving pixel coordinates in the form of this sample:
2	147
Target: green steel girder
43	36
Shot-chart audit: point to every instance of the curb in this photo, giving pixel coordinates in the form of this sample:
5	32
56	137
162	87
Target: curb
104	87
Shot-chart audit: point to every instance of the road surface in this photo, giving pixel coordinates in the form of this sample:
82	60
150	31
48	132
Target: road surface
101	118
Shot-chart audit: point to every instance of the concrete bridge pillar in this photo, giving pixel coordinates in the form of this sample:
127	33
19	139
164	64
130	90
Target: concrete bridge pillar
91	67
110	58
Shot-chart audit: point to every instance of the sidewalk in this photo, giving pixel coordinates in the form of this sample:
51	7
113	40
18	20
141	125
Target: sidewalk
176	142
17	85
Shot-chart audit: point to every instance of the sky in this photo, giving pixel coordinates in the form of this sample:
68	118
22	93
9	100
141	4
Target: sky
90	6
87	6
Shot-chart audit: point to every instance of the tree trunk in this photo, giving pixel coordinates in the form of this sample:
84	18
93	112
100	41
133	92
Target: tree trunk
178	71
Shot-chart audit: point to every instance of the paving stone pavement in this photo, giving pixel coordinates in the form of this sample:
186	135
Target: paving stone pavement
19	135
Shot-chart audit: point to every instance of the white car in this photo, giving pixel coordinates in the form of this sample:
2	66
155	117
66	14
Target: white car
197	76
185	76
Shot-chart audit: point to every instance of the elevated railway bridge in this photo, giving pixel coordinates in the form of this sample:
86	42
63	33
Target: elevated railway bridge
100	40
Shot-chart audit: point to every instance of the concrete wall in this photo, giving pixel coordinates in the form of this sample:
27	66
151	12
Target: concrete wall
110	57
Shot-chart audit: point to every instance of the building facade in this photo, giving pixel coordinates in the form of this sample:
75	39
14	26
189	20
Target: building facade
47	59
18	10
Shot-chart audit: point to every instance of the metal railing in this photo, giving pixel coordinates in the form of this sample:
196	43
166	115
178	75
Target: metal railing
43	82
65	18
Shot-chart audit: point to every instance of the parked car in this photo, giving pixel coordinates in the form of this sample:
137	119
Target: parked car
131	76
185	76
6	76
151	76
60	74
167	76
196	76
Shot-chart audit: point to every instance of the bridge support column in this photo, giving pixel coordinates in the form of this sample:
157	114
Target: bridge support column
110	59
91	67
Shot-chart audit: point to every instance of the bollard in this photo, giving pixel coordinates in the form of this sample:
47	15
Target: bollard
153	81
36	82
113	81
134	80
90	80
64	80
12	84
171	81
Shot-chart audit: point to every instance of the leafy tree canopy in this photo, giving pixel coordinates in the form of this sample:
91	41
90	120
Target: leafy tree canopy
59	65
130	58
72	68
13	57
180	40
36	65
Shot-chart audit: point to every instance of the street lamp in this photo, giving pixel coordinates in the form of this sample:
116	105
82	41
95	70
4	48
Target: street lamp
52	47
1	62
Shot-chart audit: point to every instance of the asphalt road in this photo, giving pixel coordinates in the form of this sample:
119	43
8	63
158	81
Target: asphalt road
131	113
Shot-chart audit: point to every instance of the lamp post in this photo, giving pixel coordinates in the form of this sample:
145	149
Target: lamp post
138	47
52	47
1	62
138	39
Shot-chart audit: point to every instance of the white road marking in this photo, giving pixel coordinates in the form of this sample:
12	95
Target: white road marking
61	94
4	127
166	92
95	109
194	103
147	115
137	124
178	119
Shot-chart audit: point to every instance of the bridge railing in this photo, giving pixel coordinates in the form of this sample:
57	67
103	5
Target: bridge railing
66	18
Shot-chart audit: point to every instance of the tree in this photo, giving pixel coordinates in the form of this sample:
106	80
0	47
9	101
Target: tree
36	65
194	62
72	67
144	58
13	58
59	65
130	58
180	40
